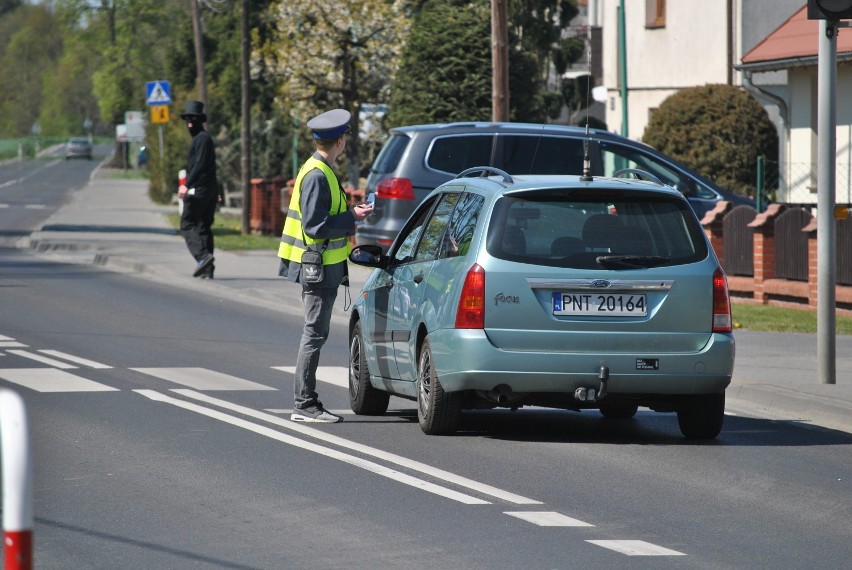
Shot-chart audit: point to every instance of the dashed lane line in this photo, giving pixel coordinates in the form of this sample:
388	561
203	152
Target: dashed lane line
365	449
43	359
315	448
547	518
52	380
75	359
636	548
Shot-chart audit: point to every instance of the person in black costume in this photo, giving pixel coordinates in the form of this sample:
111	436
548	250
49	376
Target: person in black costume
200	193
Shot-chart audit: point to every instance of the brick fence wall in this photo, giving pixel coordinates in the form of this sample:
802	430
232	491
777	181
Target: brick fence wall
764	286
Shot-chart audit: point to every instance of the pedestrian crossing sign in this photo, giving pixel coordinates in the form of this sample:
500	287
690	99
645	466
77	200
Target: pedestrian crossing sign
159	113
158	93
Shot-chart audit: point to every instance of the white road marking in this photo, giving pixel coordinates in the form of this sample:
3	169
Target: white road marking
366	450
336	375
636	548
546	518
52	380
202	379
315	448
43	359
4	337
11	344
76	359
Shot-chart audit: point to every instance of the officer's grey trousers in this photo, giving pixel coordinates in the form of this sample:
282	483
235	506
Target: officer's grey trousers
318	307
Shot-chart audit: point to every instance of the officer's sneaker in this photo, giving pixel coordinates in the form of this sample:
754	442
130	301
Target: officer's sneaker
316	414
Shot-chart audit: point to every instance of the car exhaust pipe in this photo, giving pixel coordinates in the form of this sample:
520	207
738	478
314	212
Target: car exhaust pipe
603	376
501	393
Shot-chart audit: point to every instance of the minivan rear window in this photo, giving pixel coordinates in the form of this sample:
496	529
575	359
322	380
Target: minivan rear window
534	154
454	154
391	153
577	231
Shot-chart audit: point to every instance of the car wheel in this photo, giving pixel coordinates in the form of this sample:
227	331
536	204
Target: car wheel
438	412
700	417
364	399
618	411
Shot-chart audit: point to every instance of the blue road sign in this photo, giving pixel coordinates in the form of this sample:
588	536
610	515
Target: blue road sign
158	93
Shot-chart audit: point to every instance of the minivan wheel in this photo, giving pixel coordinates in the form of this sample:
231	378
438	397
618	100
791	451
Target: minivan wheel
364	399
438	412
700	417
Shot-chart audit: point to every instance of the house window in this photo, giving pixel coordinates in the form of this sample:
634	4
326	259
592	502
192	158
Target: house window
655	13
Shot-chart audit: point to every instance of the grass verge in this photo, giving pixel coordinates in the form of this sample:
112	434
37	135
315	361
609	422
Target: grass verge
782	319
227	233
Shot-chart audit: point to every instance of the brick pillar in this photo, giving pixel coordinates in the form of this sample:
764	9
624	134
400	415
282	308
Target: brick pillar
811	230
764	248
712	222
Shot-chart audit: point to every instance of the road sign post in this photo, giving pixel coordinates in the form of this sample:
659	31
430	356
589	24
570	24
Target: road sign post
158	95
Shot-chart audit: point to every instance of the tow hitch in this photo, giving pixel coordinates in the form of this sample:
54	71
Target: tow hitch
594	394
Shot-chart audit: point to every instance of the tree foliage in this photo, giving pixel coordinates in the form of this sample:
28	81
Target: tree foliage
446	68
717	130
335	54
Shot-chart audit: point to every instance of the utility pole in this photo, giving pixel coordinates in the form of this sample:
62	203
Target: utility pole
826	235
245	157
199	54
500	60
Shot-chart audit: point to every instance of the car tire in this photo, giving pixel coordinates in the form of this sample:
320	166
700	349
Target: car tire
700	417
618	411
364	399
438	412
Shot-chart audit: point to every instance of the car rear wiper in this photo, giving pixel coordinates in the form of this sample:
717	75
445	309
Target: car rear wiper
631	260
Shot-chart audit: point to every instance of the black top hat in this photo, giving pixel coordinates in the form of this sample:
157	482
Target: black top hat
194	109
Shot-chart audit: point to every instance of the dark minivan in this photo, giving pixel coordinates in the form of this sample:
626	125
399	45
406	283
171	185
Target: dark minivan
417	159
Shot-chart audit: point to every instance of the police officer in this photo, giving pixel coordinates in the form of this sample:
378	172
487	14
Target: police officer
318	219
200	193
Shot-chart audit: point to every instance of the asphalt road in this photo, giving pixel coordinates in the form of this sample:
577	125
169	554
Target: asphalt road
160	440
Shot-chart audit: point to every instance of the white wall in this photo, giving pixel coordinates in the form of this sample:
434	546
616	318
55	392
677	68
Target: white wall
691	50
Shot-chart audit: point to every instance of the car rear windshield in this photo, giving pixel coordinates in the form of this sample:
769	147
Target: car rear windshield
600	230
391	153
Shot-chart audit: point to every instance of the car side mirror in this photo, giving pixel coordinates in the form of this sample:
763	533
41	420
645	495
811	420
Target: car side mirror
369	256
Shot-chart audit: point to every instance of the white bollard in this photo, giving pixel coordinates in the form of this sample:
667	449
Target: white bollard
17	482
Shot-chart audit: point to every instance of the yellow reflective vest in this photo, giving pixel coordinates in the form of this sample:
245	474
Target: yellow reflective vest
294	239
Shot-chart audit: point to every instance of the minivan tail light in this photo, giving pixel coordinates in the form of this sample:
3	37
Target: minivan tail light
471	310
395	189
721	303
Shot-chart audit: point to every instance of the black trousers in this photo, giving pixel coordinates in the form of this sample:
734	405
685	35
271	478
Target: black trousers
195	224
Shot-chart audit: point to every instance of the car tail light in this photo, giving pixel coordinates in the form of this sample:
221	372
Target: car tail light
471	310
395	189
721	303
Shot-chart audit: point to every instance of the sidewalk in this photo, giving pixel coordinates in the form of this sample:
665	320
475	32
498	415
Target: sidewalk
111	222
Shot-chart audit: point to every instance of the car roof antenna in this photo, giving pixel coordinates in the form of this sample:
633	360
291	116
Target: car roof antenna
587	161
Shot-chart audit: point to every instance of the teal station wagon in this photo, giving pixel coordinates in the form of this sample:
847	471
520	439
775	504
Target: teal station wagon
566	292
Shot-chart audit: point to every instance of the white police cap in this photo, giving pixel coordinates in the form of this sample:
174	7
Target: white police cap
330	124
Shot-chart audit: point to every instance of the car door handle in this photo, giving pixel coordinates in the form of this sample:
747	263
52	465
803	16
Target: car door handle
419	277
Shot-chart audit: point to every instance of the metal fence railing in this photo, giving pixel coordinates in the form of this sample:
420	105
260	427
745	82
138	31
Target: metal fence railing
796	183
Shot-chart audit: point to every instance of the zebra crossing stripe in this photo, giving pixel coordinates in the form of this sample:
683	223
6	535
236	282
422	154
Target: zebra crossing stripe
51	380
335	375
202	379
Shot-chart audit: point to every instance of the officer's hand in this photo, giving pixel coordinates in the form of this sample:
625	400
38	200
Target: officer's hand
361	211
182	190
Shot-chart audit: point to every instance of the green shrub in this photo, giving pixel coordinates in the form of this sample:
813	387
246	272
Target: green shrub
717	130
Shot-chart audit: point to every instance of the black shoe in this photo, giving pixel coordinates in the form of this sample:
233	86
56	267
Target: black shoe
202	265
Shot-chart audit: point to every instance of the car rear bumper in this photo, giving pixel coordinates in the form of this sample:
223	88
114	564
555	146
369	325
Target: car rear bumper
467	360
